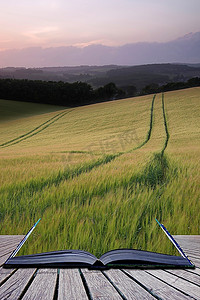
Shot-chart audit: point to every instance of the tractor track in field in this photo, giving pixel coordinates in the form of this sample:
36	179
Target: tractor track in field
150	127
35	131
166	126
17	191
35	186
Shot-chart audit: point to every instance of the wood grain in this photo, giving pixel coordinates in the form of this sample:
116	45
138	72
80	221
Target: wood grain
157	287
196	271
195	261
5	273
188	241
128	287
43	285
4	258
15	285
71	285
8	244
192	277
99	286
11	238
179	283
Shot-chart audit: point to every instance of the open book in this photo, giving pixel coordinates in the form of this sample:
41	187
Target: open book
114	258
126	258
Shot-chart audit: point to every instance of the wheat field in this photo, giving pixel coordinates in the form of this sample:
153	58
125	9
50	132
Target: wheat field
99	175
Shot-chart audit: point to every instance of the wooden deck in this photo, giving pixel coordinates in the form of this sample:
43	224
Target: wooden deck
111	284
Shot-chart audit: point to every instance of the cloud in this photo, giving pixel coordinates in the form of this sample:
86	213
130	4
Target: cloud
40	35
94	42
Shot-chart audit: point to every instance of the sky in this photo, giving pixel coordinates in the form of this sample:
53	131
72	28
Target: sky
55	23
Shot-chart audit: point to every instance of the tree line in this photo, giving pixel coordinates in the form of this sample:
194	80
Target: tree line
78	93
171	86
57	93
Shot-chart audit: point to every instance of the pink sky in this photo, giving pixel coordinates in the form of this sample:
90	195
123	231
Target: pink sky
48	23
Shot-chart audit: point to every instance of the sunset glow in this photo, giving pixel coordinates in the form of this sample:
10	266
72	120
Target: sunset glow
53	23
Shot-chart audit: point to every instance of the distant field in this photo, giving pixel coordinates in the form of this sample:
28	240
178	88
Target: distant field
13	110
98	175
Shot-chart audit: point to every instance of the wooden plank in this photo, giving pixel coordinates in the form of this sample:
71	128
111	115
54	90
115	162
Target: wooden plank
11	238
192	254
129	288
192	277
71	285
184	237
156	286
191	249
196	271
99	286
188	241
183	285
195	261
190	246
15	285
43	285
8	246
7	249
5	273
4	258
8	243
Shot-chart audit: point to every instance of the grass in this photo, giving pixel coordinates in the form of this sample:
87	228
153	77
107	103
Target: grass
34	131
99	175
14	110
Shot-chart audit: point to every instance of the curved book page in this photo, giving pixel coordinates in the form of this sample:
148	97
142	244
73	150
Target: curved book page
63	258
114	258
137	258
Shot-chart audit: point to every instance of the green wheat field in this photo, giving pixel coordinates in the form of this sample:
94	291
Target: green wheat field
99	175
